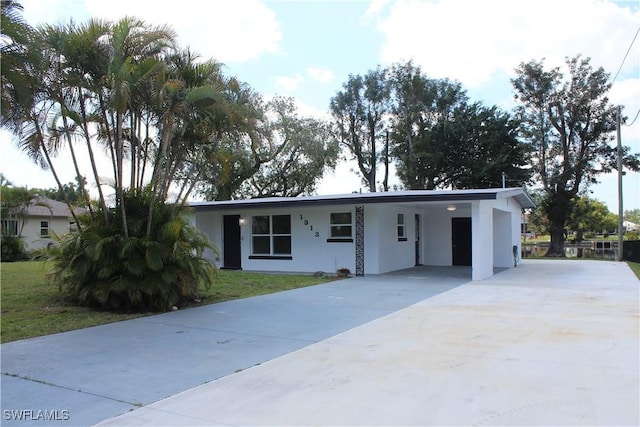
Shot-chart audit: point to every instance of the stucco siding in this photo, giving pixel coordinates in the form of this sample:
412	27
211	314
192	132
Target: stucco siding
31	231
437	233
437	237
210	224
481	240
509	230
502	243
394	254
495	229
310	250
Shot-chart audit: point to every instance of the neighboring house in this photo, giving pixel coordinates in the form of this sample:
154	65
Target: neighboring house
369	233
630	226
36	221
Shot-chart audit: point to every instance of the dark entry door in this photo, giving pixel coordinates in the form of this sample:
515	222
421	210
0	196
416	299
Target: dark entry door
461	240
231	246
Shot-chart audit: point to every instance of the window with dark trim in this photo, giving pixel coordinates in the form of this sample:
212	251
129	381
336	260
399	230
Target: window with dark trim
271	237
340	227
402	237
9	227
44	229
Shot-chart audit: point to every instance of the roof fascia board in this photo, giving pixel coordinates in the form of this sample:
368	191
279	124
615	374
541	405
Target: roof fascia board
520	194
336	201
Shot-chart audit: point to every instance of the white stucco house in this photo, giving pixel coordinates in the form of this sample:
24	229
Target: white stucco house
630	226
370	233
36	221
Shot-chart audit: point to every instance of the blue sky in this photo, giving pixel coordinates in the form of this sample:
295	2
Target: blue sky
307	49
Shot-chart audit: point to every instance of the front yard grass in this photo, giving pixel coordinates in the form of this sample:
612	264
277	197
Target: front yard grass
635	266
31	307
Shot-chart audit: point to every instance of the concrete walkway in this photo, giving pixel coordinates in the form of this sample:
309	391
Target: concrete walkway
548	343
86	376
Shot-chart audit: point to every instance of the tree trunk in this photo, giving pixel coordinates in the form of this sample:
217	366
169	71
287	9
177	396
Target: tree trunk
119	143
44	150
74	159
96	176
556	248
557	209
385	183
158	168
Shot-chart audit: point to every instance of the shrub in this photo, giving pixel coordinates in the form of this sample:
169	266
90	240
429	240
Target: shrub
632	235
12	249
343	272
100	267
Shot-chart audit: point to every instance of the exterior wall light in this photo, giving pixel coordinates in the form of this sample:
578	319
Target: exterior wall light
451	208
241	221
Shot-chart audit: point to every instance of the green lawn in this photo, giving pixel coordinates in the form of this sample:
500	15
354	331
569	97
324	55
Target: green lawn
31	307
635	266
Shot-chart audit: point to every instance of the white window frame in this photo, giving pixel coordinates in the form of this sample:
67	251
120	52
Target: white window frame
401	228
334	227
45	226
271	236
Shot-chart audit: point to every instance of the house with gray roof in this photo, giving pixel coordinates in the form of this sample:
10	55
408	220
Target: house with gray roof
370	233
36	222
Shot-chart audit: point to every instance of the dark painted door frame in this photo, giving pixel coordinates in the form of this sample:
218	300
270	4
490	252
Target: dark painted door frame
232	255
417	248
359	240
461	241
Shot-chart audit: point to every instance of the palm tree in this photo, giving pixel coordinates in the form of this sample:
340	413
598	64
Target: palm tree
15	37
26	73
61	89
85	55
134	46
190	98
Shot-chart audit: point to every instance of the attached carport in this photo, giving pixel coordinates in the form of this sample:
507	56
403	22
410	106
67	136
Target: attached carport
495	232
486	221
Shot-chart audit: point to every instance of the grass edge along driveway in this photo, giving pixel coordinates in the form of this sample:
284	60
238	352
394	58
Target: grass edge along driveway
31	307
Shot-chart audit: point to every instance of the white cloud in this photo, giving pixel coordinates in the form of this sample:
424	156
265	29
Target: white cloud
471	41
38	12
227	30
480	43
288	84
307	110
322	75
19	169
343	180
375	8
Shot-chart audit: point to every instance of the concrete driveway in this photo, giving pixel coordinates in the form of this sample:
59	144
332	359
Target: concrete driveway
83	377
548	343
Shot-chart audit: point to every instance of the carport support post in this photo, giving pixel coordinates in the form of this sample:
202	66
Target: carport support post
481	240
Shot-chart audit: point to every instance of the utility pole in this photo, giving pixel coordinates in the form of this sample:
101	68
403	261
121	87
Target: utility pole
620	209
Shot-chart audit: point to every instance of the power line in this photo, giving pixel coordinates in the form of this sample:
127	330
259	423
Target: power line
625	56
634	119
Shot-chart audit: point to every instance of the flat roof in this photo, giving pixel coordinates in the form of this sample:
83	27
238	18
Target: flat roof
407	196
